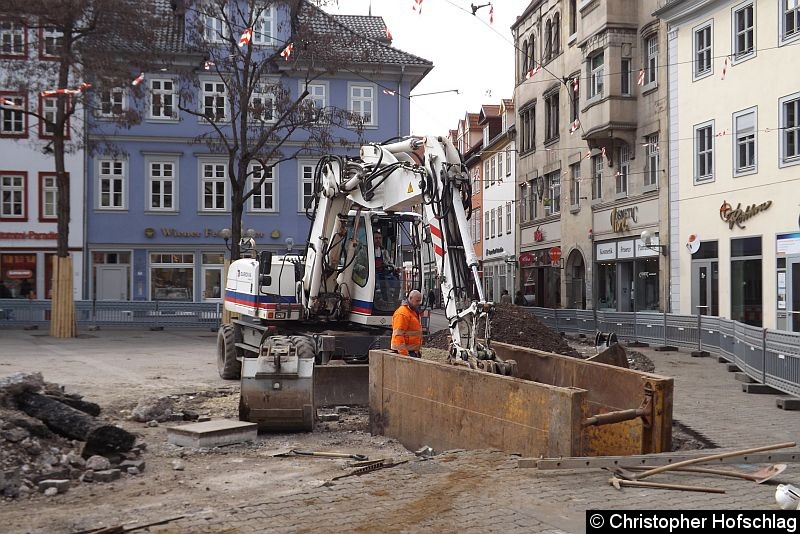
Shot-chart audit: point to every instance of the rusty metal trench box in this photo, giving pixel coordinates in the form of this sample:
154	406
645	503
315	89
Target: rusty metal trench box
555	406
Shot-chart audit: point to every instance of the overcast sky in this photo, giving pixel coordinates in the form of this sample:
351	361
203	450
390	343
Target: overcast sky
467	52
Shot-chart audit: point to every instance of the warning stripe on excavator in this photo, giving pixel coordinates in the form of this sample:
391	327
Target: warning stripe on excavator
259	301
362	307
437	234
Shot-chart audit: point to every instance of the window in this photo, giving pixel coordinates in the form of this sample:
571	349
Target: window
306	186
625	77
264	27
213	185
318	99
172	276
744	124
743	31
263	198
790	128
48	196
574	98
596	76
162	99
548	43
554	186
493	172
362	102
551	117
214	101
161	181
508	160
704	152
13	121
262	102
746	283
493	224
112	103
214	30
575	184
486	222
111	184
523	60
531	201
478	225
651	161
527	128
499	157
702	51
652	60
499	220
476	178
12	196
597	177
49	111
573	16
51	42
556	35
486	174
624	170
12	39
508	217
791	19
524	191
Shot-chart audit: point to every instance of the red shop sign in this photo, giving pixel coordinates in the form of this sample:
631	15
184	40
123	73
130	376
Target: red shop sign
526	259
555	254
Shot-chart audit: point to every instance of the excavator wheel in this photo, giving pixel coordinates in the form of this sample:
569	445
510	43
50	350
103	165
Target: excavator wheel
228	366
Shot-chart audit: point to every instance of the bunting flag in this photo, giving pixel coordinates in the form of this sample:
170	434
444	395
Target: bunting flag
533	71
417	6
246	37
52	92
588	154
7	102
575	85
139	79
208	64
389	92
488	93
640	81
603	152
721	134
491	14
387	32
575	125
287	51
725	68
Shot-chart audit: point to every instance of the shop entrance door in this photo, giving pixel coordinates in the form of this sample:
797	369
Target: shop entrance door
212	283
626	291
705	287
112	282
793	293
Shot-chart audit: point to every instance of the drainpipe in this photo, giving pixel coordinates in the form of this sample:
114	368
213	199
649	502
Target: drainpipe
85	266
400	104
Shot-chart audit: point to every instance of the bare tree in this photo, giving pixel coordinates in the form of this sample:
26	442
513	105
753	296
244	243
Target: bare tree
79	48
261	121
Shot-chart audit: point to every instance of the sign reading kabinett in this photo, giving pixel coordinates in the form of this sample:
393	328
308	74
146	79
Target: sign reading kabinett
737	216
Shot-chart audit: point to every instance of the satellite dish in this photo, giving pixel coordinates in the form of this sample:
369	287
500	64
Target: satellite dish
693	244
647	237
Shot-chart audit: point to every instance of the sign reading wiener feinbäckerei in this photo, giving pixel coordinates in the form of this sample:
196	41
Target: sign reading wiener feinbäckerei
788	244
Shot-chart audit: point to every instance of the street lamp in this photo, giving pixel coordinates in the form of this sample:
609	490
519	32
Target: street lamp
647	238
225	234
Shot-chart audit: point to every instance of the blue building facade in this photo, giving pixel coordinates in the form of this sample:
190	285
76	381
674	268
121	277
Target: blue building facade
156	198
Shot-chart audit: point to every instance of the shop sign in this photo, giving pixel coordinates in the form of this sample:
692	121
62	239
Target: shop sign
18	274
538	235
620	218
174	232
525	259
788	244
555	254
737	216
606	251
625	249
493	251
643	251
29	235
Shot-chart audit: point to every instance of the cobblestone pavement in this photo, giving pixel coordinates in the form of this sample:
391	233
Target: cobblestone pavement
485	491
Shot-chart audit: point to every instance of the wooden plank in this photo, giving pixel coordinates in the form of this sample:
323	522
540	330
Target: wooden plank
599	462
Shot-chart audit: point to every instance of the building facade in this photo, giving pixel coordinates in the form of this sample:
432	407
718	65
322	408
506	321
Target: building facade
156	207
591	112
734	155
28	189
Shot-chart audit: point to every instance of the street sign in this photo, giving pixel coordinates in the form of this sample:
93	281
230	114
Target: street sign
555	254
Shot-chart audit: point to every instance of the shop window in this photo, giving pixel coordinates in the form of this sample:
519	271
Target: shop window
607	288
172	276
746	281
18	276
212	275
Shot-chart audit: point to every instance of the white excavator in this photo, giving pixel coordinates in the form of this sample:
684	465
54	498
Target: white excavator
299	313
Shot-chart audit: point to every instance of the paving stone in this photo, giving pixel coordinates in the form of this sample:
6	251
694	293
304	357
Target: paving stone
61	486
212	433
108	475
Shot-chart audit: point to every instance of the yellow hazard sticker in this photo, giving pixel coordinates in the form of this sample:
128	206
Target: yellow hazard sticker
410	188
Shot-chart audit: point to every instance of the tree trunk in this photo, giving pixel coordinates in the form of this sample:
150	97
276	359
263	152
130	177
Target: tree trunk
62	306
100	438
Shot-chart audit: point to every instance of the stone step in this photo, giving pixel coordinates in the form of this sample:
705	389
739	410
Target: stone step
744	377
732	368
212	433
788	403
762	389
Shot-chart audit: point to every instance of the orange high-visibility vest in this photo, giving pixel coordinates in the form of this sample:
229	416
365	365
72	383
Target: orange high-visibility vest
406	330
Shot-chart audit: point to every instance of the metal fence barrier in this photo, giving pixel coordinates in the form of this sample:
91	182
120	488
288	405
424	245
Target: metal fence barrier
768	356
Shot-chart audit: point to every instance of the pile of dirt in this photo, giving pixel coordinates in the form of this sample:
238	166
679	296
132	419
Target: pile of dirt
515	326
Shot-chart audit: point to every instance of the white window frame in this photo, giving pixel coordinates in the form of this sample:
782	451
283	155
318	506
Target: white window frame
254	170
509	214
524	191
736	12
17	196
499	157
215	94
493	171
651	64
486	135
318	94
597	177
596	76
704	152
788	131
499	220
116	97
739	135
508	160
214	29
49	113
554	187
362	101
625	76
214	166
165	95
305	177
621	180
486	174
14	117
263	95
701	69
168	173
486	223
264	27
50	38
651	162
116	174
575	185
492	222
788	7
552	110
12	35
49	197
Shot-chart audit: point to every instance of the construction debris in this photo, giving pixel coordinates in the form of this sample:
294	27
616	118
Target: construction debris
618	483
601	462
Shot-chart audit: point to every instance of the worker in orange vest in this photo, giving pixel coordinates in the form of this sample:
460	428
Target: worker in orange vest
407	327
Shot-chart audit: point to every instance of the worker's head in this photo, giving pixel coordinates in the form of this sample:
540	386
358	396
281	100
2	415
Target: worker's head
414	299
377	238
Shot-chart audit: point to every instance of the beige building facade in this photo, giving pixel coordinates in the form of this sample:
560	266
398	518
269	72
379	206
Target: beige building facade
591	143
735	159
